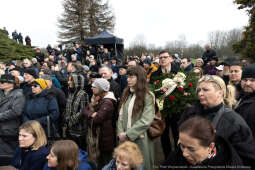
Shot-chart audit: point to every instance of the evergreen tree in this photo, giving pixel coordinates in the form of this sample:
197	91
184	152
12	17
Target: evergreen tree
246	46
84	18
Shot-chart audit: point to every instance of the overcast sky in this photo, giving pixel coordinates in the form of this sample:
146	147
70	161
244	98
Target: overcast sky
158	21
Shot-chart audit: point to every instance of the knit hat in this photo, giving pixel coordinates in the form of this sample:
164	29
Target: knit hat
31	72
34	60
249	71
41	82
101	84
147	61
7	78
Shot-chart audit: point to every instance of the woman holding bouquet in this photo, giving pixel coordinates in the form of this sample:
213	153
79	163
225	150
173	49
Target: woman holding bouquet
137	113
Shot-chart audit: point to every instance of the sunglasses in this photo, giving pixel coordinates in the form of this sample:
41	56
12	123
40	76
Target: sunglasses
209	78
165	57
35	85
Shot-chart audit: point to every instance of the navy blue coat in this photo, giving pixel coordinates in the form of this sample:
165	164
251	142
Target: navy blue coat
39	106
83	164
29	159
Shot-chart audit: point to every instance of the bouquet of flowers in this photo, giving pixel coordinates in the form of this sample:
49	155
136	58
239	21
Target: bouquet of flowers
174	92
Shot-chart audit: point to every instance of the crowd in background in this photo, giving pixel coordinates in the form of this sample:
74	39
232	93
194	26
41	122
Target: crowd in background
97	101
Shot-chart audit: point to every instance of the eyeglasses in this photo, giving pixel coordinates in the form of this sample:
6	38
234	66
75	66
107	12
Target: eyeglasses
35	85
165	57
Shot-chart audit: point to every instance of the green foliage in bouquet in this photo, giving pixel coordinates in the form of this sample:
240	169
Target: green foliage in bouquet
182	95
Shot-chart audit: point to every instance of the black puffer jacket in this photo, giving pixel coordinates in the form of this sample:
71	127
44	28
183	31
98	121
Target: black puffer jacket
246	109
11	107
226	158
231	126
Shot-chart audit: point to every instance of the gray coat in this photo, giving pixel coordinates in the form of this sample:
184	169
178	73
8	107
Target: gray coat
11	107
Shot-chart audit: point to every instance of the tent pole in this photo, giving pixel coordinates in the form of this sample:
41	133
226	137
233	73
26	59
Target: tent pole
116	51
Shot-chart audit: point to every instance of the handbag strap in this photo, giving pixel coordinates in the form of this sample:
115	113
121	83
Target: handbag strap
218	116
48	125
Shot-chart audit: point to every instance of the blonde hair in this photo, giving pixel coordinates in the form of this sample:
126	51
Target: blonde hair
130	152
35	128
228	92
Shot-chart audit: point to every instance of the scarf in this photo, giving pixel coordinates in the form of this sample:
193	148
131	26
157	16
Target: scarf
130	110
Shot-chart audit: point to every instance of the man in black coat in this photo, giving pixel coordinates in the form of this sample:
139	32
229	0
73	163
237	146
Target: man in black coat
208	54
106	73
167	65
246	106
12	102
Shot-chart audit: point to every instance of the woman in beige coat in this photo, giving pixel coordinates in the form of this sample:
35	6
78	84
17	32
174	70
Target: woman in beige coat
137	113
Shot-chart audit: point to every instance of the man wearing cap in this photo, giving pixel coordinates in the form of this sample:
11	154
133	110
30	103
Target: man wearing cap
12	102
246	106
29	77
122	77
219	70
10	65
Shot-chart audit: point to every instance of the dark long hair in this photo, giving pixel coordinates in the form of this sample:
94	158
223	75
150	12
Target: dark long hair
140	89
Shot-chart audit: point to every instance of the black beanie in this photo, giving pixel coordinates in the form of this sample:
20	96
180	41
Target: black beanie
31	72
7	78
249	71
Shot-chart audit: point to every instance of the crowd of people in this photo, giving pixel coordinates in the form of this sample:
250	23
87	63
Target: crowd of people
95	110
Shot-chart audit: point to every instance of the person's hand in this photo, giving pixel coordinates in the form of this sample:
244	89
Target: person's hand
94	100
94	114
122	137
57	68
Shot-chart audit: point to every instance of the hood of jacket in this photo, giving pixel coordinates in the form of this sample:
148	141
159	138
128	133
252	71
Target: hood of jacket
110	95
78	81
